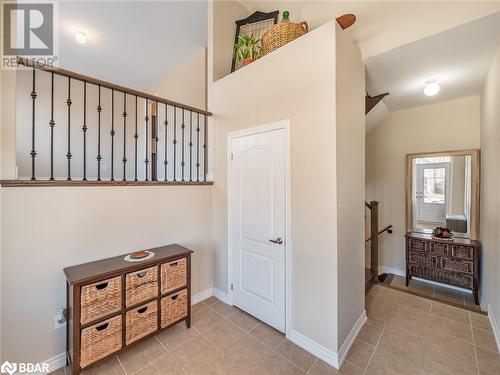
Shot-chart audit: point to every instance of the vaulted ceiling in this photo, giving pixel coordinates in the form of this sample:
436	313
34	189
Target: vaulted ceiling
133	43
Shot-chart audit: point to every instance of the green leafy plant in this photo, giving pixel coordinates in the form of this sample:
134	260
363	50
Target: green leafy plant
247	47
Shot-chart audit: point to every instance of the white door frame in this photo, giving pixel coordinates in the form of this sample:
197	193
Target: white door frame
285	125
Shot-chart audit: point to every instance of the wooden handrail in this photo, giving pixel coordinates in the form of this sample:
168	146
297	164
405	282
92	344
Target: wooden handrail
81	77
386	229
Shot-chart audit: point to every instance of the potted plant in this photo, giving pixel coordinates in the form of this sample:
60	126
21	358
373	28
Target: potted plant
247	49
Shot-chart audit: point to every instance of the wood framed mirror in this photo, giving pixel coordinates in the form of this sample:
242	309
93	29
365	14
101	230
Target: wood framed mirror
442	189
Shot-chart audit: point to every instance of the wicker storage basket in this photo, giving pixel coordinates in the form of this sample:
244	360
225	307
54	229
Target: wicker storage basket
141	322
141	286
100	299
100	340
174	307
173	275
281	34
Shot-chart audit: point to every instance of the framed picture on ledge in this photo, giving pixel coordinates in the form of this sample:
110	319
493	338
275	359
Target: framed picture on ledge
254	25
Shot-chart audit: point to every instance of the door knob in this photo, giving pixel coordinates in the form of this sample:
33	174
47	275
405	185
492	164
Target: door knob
278	241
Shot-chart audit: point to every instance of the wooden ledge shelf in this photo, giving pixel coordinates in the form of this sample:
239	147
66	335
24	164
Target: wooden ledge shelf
80	183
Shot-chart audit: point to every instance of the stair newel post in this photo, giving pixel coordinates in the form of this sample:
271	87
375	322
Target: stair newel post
374	239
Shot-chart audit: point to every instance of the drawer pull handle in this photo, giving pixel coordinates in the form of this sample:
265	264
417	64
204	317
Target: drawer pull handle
174	264
102	286
102	327
142	274
174	297
142	310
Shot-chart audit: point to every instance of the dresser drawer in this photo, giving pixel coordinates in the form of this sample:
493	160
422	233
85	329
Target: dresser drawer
418	245
141	286
174	307
442	275
416	257
439	248
100	340
100	299
464	252
457	265
141	321
173	275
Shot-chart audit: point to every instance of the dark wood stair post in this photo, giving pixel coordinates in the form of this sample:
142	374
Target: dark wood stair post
374	240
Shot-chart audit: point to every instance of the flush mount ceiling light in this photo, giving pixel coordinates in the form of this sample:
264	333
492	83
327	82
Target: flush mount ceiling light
81	37
431	88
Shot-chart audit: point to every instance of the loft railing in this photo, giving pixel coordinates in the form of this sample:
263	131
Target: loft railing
178	156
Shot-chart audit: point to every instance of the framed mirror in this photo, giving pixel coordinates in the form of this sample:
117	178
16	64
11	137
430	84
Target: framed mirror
442	190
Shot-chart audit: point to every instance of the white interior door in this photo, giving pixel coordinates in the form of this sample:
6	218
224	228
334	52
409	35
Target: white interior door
258	222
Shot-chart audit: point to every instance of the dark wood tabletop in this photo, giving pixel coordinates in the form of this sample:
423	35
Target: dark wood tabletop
455	241
88	272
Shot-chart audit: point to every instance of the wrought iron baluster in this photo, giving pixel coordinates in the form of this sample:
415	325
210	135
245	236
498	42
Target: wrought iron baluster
84	129
146	118
182	148
190	145
68	155
99	157
124	114
175	141
154	173
198	149
33	151
165	161
112	134
136	136
52	124
205	149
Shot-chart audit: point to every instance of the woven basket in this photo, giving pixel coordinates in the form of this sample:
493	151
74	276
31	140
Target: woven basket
101	340
141	322
174	307
100	299
173	275
281	34
141	286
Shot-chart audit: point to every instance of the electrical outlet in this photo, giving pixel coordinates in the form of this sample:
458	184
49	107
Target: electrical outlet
59	319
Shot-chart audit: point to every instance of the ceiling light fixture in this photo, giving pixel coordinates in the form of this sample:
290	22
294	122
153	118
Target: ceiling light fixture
81	37
431	88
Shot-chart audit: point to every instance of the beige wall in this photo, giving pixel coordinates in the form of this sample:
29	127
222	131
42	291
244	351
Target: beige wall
450	125
187	84
490	192
458	185
307	98
223	14
47	229
350	143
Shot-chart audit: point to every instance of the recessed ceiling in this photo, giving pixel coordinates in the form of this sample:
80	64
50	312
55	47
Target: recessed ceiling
132	43
458	59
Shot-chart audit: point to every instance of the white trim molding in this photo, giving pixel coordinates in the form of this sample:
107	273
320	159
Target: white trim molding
494	326
329	356
203	295
323	353
344	348
223	296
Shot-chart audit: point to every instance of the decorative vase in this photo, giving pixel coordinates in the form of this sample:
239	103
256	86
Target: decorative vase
247	61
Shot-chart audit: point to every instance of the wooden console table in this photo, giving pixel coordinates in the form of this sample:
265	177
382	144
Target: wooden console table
113	304
451	262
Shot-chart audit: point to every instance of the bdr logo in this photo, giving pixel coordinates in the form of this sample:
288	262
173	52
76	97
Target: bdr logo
28	29
8	368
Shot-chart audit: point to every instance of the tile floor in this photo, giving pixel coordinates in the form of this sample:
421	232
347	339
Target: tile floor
404	334
447	295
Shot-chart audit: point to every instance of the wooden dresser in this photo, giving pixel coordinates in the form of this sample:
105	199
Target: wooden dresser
113	304
451	262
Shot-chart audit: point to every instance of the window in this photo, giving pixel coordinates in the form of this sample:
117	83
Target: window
434	185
